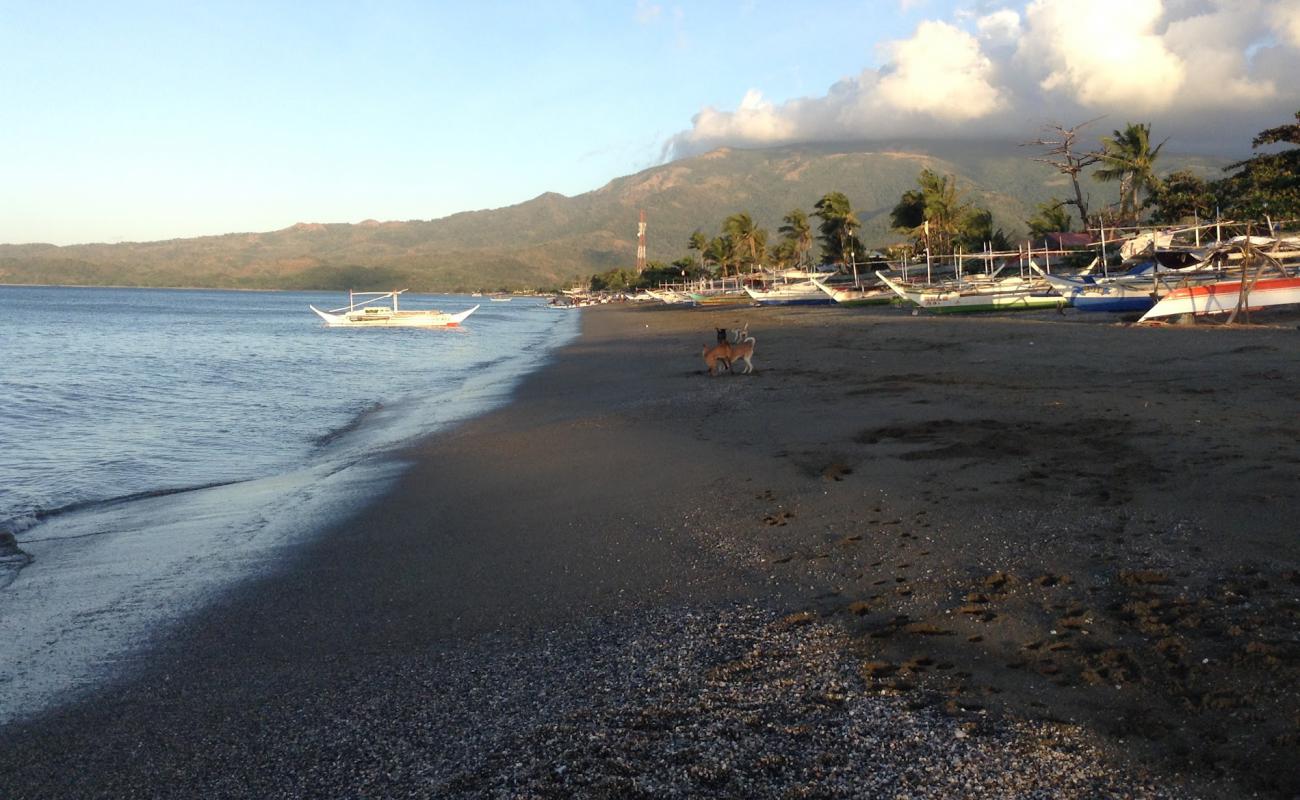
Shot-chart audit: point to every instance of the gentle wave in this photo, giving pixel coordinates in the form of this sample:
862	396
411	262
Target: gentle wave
355	423
39	515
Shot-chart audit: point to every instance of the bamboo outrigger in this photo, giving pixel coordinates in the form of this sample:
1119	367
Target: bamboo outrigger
364	313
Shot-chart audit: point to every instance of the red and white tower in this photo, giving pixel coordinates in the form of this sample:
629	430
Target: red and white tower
640	244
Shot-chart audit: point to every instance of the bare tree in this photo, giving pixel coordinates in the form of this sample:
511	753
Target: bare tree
1060	142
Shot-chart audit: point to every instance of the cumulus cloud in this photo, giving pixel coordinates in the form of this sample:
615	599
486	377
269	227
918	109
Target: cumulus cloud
1000	27
756	121
1003	68
1285	17
941	72
1105	57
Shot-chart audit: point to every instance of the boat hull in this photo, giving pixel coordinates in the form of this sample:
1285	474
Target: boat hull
807	294
1223	298
1112	304
956	302
874	296
670	298
729	298
398	319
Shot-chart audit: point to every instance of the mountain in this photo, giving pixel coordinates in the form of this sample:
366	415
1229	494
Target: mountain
552	239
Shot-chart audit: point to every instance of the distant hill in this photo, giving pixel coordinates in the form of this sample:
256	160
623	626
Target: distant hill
552	239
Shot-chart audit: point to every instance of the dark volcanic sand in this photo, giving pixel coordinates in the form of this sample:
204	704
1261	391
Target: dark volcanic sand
1012	556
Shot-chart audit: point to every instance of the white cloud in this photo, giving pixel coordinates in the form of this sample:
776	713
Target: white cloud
755	121
1285	17
1213	43
940	71
1001	69
1000	27
1106	56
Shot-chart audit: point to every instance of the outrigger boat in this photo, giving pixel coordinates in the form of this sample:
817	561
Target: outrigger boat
363	311
1256	279
1227	296
670	297
804	293
1007	294
857	294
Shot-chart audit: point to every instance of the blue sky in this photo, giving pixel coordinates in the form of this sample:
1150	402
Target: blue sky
142	121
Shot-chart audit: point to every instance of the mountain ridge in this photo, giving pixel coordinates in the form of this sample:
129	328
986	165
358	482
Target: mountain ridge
553	239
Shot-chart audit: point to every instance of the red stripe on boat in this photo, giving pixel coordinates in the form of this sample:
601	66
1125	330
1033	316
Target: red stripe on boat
1234	287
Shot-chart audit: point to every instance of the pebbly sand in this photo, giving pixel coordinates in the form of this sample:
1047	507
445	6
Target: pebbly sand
1019	556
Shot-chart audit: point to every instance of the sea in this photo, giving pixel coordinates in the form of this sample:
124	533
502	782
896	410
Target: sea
159	446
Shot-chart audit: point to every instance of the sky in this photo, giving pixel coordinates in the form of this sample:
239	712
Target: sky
142	121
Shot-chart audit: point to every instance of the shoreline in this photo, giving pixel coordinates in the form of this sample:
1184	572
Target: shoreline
846	521
112	574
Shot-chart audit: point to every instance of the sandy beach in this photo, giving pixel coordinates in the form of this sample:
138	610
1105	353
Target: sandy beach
1013	556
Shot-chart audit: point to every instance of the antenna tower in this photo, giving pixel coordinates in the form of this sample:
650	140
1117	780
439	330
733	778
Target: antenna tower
640	244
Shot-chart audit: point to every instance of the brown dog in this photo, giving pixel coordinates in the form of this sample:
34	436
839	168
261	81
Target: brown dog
743	350
726	351
717	357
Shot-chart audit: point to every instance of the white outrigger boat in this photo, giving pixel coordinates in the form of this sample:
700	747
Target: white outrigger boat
363	311
1006	294
803	293
857	294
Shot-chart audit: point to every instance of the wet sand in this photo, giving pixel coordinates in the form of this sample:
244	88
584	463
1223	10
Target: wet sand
935	556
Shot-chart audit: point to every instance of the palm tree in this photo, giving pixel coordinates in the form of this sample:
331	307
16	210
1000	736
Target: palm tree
798	232
720	253
698	243
785	255
750	240
1050	217
836	228
934	213
1129	159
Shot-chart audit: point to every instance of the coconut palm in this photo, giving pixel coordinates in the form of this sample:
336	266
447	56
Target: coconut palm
750	240
836	228
785	255
698	243
934	213
798	232
1128	158
720	252
1050	217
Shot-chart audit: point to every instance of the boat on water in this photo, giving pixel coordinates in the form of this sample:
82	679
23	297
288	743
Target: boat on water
501	299
368	310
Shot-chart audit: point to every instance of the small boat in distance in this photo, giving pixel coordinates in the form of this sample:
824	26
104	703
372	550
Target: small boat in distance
363	311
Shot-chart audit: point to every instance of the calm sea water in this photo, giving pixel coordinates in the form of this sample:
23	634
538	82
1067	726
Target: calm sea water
110	393
158	445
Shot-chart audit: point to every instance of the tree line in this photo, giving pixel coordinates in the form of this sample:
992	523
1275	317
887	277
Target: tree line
936	216
1262	186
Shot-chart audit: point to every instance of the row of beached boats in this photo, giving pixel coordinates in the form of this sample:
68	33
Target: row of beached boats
1160	275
